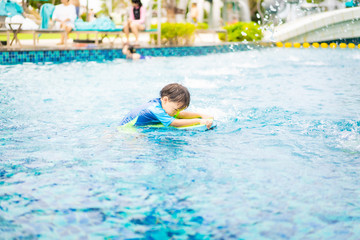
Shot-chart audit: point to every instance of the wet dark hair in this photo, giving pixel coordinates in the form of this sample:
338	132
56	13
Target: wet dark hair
176	93
132	49
137	2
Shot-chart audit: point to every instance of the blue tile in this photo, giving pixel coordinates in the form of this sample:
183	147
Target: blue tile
11	57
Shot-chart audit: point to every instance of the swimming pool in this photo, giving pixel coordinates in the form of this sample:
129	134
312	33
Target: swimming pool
283	162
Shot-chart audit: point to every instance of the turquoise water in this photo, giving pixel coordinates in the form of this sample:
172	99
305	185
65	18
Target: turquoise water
283	162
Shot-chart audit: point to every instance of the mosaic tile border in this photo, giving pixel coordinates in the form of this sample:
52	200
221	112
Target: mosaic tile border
58	56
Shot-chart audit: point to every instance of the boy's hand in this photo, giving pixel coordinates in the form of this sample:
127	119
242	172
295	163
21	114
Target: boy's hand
207	122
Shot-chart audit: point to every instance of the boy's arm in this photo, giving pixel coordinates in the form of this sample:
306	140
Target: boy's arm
189	115
190	122
136	56
125	49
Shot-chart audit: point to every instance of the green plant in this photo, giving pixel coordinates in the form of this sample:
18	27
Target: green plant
175	33
315	1
242	31
115	4
37	3
202	26
83	16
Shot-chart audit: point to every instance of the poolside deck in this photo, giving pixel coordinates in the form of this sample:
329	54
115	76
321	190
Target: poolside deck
201	39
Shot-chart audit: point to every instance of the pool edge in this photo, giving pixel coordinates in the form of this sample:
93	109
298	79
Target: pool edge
10	57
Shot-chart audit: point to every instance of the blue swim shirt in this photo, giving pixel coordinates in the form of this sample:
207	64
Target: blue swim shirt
148	114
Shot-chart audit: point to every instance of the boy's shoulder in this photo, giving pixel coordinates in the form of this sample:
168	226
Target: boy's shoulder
151	104
155	104
155	100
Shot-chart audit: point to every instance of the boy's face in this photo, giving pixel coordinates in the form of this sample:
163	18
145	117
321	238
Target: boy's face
171	108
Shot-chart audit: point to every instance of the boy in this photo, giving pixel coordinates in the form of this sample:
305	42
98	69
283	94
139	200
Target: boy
168	110
130	53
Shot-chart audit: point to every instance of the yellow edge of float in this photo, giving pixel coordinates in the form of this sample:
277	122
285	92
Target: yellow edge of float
316	45
199	127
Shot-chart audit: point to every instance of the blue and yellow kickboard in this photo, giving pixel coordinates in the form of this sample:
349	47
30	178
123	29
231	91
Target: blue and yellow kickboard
198	127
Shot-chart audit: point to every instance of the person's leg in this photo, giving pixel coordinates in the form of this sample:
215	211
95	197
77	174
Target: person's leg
62	26
68	30
135	28
126	31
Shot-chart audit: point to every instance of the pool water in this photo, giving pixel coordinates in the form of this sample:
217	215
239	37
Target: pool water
283	162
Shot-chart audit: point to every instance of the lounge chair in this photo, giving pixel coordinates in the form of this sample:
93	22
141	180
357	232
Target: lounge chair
102	28
352	3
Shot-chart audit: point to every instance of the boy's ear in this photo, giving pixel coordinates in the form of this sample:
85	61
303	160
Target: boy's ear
165	99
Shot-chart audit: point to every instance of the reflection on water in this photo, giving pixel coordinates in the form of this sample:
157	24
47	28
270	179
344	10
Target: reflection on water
282	163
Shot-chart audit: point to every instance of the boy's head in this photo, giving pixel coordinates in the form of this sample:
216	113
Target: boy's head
132	49
174	98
